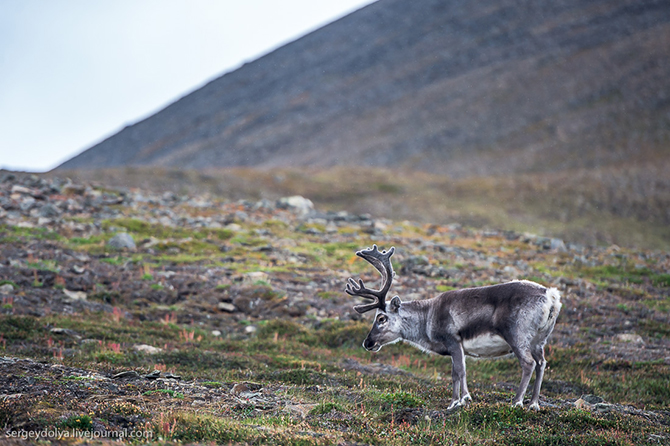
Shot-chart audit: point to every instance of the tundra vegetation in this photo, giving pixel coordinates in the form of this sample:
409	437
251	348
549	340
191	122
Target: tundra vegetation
228	322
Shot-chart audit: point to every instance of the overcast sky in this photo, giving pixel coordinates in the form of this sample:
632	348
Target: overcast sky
73	72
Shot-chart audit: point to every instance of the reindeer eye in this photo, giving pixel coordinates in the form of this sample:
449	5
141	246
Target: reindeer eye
382	319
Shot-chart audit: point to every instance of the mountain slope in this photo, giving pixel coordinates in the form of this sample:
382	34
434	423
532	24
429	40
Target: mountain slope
463	88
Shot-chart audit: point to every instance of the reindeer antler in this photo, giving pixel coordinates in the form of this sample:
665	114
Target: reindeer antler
382	262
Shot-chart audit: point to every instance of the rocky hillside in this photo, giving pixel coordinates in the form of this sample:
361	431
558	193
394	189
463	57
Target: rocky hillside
182	317
463	88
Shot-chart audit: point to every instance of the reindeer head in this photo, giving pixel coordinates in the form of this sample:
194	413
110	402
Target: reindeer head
387	325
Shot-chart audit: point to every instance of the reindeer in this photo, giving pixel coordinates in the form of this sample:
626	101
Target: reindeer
483	322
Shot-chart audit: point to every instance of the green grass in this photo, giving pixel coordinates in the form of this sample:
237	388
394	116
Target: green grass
401	399
17	234
301	359
170	392
78	422
310	362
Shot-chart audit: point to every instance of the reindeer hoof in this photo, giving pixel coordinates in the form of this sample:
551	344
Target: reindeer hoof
458	403
518	404
454	405
534	406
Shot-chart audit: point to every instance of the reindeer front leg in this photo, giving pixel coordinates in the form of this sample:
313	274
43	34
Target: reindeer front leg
458	378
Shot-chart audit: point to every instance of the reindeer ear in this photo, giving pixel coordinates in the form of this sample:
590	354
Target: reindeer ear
394	304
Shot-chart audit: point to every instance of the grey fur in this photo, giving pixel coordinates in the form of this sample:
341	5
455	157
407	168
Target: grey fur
514	317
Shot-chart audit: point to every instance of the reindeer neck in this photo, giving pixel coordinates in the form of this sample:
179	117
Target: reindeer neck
414	315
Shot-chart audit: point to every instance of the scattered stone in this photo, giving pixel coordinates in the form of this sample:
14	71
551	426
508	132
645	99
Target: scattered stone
299	204
18	189
65	331
27	203
128	374
255	276
172	376
153	375
246	390
78	269
592	399
122	240
413	261
250	329
603	407
75	295
239	388
593	403
148	349
511	271
7	288
582	405
557	245
49	211
73	189
216	333
301	410
420	265
227	307
631	338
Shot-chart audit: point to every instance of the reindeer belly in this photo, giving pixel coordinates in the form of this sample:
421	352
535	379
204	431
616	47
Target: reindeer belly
486	345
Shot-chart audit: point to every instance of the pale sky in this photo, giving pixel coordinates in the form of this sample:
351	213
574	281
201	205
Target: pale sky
73	72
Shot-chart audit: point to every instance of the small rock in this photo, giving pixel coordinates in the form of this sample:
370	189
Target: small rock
255	276
49	211
511	271
556	244
245	390
583	405
296	203
73	189
128	374
148	349
172	376
301	410
227	307
239	388
592	399
27	203
250	329
78	269
65	331
122	240
602	407
6	288
378	225
216	333
632	338
151	241
16	189
75	295
153	375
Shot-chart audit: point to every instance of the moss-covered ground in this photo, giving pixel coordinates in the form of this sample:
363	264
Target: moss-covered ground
240	333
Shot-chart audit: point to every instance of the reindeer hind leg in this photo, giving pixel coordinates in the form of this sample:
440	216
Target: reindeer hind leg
537	351
527	365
